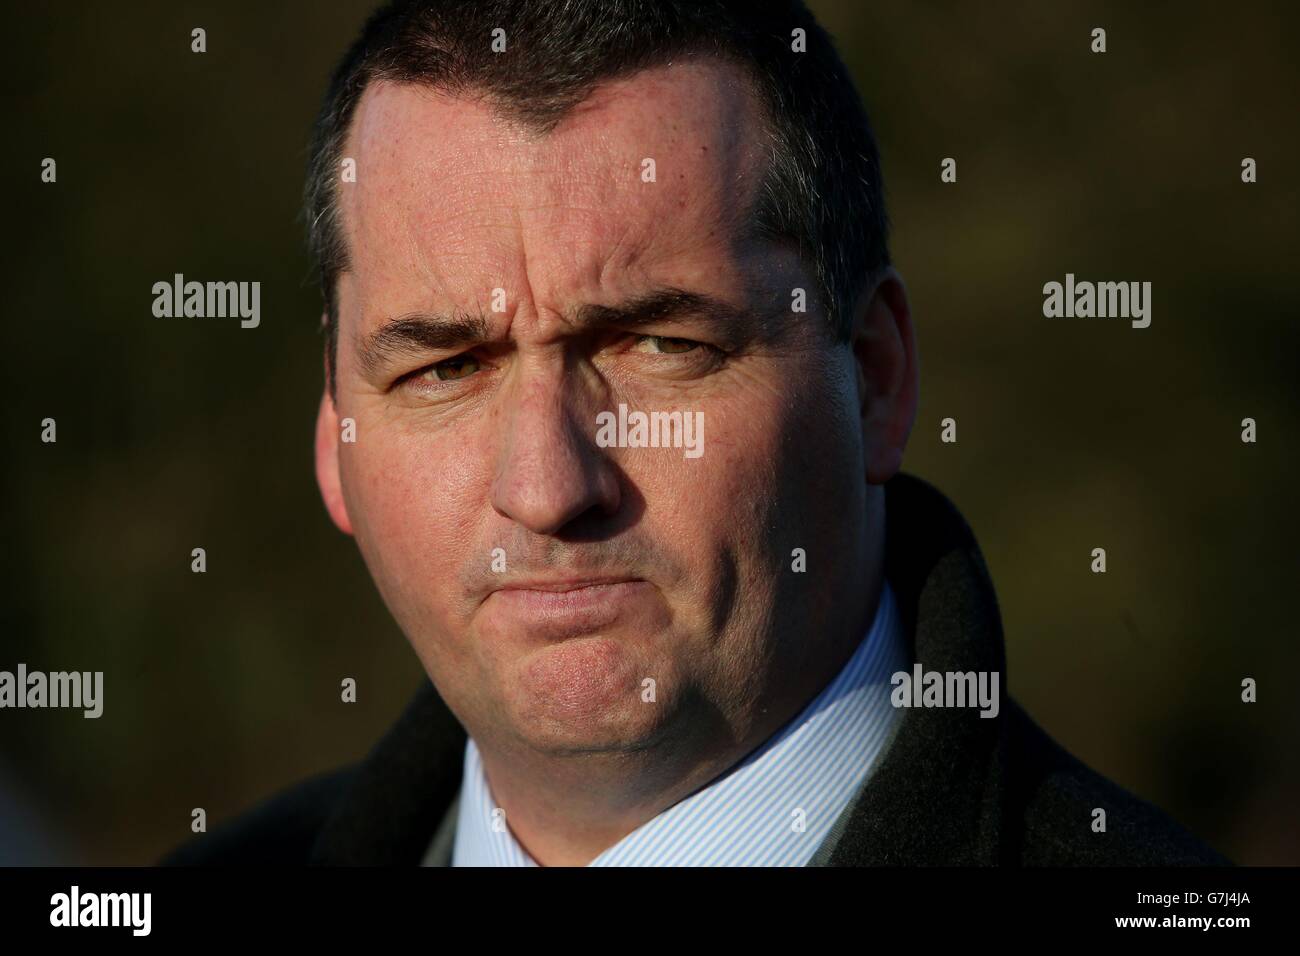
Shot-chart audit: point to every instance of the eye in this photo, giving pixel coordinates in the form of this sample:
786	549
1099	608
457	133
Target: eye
458	366
664	345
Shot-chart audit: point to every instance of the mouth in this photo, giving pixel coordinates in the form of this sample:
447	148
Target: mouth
555	608
564	585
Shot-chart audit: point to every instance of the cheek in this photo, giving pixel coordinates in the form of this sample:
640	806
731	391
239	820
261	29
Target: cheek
776	441
414	499
827	457
714	513
781	468
820	475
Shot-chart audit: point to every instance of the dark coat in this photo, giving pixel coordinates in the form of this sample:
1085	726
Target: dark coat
953	788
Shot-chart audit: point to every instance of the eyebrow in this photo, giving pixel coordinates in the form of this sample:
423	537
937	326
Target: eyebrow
420	332
659	305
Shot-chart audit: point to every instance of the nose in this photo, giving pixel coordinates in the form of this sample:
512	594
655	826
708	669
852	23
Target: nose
549	470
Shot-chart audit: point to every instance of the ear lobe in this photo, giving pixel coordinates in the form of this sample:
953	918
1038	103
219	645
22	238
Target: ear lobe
327	464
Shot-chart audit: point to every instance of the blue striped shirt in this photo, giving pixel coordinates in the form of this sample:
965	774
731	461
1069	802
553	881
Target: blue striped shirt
774	808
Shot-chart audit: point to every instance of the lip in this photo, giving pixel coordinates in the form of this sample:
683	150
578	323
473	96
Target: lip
555	609
560	585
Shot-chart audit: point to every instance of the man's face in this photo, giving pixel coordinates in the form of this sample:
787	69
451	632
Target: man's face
542	578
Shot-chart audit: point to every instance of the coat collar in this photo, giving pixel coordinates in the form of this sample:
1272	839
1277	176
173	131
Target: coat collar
935	797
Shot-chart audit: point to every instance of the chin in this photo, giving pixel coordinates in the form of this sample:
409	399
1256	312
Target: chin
586	694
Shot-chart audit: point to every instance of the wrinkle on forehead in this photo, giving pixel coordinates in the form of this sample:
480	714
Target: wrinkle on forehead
452	199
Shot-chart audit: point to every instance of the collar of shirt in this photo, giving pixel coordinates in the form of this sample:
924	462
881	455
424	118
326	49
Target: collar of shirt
773	808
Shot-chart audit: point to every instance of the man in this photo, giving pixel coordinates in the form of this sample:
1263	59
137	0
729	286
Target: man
618	383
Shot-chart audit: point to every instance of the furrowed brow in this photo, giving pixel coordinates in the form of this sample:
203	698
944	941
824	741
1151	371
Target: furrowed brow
416	334
763	321
660	305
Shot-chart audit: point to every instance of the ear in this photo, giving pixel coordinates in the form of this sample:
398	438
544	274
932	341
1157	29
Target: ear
327	462
884	351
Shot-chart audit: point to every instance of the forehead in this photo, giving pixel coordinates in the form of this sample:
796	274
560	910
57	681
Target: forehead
651	177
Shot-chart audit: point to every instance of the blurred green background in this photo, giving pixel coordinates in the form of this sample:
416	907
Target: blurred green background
224	687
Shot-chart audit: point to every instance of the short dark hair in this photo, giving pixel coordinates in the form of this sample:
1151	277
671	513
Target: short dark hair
822	188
